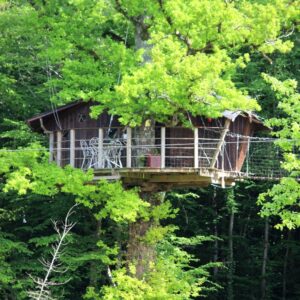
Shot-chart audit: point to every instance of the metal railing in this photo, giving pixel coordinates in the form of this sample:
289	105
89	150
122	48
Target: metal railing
117	148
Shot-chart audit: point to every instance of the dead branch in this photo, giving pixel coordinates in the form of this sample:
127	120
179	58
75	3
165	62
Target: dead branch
42	291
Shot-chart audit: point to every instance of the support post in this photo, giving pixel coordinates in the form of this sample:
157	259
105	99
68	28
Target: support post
196	148
51	146
128	148
72	147
223	166
237	153
220	143
163	147
247	155
100	160
58	147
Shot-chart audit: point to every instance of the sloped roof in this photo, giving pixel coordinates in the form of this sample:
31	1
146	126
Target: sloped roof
50	112
232	115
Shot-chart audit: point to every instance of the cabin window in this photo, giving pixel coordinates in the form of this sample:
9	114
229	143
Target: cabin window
81	118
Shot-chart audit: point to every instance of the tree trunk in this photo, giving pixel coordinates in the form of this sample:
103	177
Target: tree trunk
264	262
144	141
94	265
216	233
230	295
142	37
140	253
285	266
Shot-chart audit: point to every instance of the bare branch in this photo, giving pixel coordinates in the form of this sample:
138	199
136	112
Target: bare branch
42	291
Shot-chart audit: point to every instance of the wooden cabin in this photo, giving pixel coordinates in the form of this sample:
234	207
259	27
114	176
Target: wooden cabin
163	157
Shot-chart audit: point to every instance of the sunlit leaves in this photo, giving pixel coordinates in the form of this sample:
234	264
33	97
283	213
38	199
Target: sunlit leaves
195	48
283	199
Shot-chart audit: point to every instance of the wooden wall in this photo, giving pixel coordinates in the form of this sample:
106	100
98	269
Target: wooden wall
78	117
179	140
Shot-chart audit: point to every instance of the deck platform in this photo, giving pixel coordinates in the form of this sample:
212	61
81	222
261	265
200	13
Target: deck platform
164	179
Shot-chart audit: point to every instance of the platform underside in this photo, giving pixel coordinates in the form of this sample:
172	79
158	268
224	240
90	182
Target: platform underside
156	179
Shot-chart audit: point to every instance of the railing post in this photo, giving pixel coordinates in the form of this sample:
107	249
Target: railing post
128	148
196	148
72	147
51	146
100	160
163	146
247	159
58	147
237	153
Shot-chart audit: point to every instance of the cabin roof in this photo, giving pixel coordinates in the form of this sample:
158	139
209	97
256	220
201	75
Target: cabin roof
51	112
231	115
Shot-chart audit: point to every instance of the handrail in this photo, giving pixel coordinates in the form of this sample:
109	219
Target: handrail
221	152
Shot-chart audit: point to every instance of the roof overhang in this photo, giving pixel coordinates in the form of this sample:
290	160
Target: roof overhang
253	117
55	110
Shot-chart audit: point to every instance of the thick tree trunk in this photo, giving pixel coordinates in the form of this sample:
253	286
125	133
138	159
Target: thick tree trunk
143	136
141	253
264	262
144	140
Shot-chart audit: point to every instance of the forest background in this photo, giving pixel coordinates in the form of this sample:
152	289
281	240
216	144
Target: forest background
146	60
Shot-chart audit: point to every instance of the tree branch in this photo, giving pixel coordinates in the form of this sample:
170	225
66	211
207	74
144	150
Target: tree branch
121	10
43	292
185	39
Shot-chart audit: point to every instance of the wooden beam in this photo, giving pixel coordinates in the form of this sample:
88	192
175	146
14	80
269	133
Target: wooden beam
180	178
244	147
128	148
220	143
163	146
72	147
196	148
100	160
51	146
108	177
58	147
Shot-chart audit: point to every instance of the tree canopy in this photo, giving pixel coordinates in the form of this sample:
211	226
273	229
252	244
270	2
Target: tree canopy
148	61
142	60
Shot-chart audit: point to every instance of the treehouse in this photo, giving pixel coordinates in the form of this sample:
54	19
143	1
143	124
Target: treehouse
154	158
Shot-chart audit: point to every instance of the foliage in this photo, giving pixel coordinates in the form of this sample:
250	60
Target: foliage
42	289
80	49
17	134
283	198
23	174
162	60
178	281
209	214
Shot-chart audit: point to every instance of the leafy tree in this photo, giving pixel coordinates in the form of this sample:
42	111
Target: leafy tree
190	52
285	195
157	60
31	172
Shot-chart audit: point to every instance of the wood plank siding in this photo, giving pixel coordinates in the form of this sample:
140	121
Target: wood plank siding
178	149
